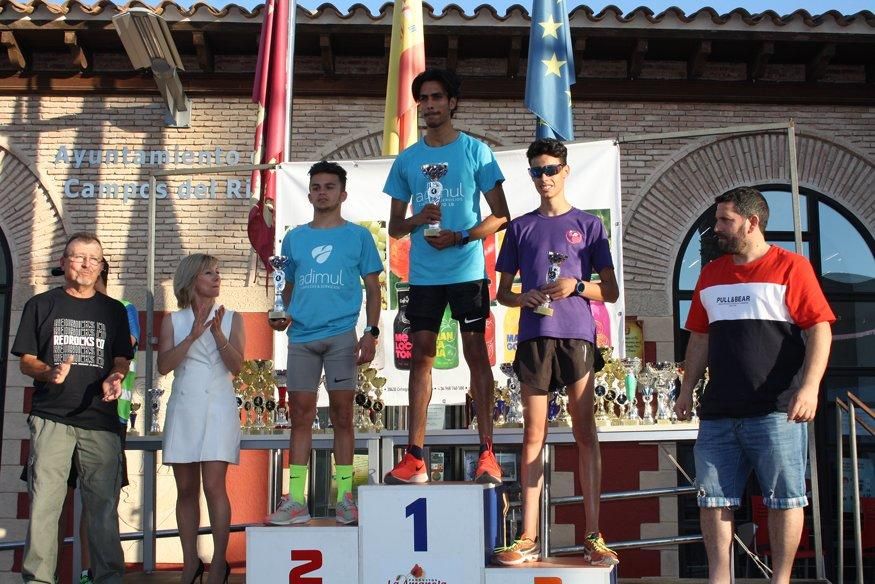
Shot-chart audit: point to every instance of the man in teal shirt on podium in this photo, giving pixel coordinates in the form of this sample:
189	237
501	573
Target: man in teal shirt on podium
327	260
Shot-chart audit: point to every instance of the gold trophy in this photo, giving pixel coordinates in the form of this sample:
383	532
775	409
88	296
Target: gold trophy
362	420
378	405
555	258
433	191
563	419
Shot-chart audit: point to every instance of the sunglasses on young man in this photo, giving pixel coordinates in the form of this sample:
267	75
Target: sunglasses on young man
548	169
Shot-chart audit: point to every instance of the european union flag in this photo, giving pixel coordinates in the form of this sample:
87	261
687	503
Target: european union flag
550	73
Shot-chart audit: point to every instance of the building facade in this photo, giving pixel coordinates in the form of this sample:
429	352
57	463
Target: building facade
80	131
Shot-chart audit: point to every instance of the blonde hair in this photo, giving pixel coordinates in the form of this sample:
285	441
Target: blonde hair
189	269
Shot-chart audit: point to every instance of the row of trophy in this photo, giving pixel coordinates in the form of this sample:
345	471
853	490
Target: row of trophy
508	409
627	393
369	407
254	388
630	393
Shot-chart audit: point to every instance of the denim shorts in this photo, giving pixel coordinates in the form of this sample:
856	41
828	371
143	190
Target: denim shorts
727	449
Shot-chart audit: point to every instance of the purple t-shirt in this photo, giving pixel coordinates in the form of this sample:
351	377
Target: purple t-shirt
577	234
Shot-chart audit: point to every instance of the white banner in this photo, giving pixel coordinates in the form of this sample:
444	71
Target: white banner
593	185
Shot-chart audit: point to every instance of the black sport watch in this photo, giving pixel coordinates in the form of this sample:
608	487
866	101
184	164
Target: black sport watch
375	331
580	288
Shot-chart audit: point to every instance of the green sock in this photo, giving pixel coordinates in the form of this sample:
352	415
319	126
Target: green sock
297	482
343	479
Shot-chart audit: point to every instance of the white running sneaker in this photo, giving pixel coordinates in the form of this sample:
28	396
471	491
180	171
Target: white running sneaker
346	512
289	513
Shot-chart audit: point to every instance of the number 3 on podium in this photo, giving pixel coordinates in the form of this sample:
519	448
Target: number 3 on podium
419	510
313	561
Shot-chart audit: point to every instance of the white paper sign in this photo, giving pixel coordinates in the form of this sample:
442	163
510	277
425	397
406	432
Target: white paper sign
319	552
545	573
593	185
421	533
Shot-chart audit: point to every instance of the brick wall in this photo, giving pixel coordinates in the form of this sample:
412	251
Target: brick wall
667	184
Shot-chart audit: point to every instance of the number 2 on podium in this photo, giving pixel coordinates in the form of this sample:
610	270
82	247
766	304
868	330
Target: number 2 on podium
419	511
313	559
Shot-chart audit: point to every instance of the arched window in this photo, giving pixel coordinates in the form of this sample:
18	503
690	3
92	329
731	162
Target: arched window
842	253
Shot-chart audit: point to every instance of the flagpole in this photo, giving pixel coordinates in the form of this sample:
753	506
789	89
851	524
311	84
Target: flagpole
290	70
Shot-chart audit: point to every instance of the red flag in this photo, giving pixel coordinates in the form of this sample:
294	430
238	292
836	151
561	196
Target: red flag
271	92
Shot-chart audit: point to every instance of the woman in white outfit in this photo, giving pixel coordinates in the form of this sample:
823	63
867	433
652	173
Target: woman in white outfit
202	426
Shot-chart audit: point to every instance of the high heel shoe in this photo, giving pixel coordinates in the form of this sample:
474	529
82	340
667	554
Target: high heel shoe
199	574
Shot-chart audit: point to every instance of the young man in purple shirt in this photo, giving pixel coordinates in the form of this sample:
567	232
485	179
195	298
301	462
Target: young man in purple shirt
556	350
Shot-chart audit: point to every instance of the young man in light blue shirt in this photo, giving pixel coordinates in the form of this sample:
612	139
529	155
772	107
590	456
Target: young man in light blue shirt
446	267
328	259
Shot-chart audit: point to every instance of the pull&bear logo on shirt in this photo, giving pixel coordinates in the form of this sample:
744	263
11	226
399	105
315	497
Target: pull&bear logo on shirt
321	253
573	236
732	300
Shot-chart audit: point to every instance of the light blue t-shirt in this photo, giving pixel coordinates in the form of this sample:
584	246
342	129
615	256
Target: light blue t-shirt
326	267
471	170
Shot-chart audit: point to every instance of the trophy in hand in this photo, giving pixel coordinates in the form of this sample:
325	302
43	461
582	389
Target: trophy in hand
555	258
433	191
279	263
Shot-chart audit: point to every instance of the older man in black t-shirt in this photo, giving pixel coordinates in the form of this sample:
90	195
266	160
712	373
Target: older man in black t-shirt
75	343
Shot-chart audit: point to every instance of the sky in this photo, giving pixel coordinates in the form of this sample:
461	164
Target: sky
721	6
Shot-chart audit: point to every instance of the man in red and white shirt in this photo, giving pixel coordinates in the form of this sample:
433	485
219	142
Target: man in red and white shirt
760	322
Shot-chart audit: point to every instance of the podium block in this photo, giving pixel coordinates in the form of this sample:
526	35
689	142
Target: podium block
431	532
320	551
552	571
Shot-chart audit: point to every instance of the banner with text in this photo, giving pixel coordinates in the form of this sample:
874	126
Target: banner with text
592	185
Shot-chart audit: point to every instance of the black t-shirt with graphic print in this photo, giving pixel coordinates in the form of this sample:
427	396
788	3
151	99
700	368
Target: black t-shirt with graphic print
95	331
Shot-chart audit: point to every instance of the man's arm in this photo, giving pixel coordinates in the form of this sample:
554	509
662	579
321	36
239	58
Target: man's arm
367	344
606	290
497	220
493	222
401	225
112	385
39	371
803	405
695	362
507	297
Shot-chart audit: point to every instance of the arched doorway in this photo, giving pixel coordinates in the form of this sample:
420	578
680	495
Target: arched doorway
5	309
842	252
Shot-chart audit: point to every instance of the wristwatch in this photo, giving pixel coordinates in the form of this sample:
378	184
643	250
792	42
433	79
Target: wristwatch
464	238
580	288
375	332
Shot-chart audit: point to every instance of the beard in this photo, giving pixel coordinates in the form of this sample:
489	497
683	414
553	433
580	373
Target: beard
731	242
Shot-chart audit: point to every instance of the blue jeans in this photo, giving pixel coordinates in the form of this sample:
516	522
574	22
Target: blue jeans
727	449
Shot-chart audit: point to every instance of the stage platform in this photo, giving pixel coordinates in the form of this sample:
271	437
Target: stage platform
173	578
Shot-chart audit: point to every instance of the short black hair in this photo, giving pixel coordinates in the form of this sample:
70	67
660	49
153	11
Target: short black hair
448	80
326	167
548	147
748	202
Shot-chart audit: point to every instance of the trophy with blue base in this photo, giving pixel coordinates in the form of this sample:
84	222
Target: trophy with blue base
433	191
279	263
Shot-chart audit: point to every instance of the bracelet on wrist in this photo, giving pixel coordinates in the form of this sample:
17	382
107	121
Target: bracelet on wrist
225	346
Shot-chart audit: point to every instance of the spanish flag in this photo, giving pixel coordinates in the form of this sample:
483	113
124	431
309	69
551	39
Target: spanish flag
406	61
